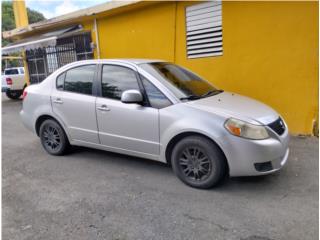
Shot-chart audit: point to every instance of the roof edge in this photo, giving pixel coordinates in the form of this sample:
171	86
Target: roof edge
87	12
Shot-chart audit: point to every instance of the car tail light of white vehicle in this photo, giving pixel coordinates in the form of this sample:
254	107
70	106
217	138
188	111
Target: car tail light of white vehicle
9	81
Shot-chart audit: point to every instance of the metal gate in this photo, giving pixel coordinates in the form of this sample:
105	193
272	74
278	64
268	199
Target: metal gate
44	61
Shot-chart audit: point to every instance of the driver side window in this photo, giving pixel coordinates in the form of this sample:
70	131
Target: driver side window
116	80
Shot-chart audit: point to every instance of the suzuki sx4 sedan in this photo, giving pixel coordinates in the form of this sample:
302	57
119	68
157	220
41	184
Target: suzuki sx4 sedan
160	111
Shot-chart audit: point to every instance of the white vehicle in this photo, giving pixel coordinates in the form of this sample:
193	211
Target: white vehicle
13	82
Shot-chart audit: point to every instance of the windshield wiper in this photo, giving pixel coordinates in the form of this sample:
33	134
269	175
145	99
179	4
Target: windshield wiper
190	97
195	97
211	93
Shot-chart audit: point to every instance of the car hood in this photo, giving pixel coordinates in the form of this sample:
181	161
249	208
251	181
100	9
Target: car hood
237	106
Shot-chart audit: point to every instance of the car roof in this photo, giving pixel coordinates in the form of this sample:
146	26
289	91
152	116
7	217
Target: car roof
139	60
122	60
12	68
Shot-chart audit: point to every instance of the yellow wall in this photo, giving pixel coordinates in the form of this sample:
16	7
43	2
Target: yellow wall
270	50
142	33
270	53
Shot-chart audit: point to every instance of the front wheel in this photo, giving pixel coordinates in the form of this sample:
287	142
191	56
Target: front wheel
13	94
198	162
53	138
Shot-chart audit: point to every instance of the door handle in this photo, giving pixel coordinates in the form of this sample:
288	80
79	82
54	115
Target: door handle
58	101
103	108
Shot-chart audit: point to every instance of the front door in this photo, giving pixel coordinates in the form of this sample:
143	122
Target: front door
128	127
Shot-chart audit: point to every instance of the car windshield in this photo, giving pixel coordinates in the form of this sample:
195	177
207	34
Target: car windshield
184	84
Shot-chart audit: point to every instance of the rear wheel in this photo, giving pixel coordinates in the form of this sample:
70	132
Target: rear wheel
198	162
13	94
53	138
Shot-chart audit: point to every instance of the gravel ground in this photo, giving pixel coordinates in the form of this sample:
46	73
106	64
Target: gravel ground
92	194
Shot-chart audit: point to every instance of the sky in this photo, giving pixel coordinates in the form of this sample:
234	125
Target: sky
53	8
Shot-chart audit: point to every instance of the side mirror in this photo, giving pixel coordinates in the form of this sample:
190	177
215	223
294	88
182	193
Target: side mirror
131	96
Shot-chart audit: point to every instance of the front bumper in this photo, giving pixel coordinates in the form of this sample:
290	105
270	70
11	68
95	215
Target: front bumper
245	155
275	165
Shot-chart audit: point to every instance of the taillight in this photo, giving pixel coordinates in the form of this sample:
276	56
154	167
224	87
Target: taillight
24	94
9	81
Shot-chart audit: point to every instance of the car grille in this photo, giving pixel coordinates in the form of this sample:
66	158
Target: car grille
278	126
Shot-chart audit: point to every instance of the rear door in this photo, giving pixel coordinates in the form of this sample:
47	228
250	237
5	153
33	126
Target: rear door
73	102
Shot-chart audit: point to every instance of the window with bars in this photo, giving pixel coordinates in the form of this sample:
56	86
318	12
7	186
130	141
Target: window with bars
204	30
44	61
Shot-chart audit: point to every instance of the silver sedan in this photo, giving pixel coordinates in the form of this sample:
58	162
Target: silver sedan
160	111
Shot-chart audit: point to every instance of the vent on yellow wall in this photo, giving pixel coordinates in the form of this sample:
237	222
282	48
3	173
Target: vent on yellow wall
204	29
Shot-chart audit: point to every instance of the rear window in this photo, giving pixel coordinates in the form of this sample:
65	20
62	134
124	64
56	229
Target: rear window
77	80
11	71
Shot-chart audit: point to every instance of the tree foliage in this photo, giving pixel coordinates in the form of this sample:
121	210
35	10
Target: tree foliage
8	22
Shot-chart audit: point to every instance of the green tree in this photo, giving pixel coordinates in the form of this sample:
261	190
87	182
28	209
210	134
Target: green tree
8	18
34	16
8	24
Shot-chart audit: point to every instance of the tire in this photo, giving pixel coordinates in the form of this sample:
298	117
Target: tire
198	162
53	138
15	94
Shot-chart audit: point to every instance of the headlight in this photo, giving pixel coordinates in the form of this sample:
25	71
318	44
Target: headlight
246	130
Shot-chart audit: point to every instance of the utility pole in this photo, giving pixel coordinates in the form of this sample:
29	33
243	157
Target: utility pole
21	20
20	13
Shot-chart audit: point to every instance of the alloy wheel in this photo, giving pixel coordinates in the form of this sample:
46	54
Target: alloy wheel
51	138
195	164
